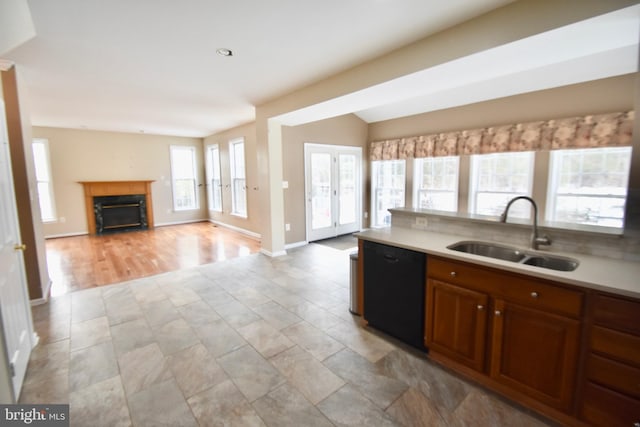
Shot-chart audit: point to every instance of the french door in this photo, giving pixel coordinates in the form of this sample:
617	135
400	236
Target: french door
15	319
333	190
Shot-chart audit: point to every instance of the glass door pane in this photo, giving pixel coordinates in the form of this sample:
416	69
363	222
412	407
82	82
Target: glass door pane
347	189
320	190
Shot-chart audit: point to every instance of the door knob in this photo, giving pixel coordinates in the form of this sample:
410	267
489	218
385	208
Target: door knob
497	313
480	307
18	247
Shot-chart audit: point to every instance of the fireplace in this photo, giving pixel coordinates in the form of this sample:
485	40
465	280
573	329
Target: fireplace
120	213
113	206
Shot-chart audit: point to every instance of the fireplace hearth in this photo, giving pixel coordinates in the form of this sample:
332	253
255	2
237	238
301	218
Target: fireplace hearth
120	213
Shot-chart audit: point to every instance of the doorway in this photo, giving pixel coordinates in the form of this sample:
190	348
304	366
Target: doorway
332	190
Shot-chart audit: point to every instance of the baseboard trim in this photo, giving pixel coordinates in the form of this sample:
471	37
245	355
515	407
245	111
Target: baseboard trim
45	298
190	221
238	229
273	254
295	245
38	301
57	236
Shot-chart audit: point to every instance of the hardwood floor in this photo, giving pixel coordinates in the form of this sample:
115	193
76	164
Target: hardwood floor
82	262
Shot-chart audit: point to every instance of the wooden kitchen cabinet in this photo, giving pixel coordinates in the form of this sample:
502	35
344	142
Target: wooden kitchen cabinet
457	323
519	335
612	388
535	352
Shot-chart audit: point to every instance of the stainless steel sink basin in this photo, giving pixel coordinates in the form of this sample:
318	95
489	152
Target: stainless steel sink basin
513	254
553	263
492	250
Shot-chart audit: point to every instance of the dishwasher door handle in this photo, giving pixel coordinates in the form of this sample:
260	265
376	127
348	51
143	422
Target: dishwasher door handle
391	258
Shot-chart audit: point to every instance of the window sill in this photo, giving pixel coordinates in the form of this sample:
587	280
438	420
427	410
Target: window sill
239	215
185	210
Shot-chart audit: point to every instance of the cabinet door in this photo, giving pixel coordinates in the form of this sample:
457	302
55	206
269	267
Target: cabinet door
535	353
456	323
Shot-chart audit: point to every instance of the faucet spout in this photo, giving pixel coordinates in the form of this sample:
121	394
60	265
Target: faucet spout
536	241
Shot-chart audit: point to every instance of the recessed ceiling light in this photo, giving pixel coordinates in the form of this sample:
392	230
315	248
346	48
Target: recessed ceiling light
223	51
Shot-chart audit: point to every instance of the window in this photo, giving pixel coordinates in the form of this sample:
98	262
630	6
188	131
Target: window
436	183
589	186
238	178
497	178
183	174
43	177
387	190
213	175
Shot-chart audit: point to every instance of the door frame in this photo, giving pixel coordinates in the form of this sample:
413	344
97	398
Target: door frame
16	324
335	151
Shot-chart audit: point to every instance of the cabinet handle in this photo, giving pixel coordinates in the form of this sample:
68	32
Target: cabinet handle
480	307
497	313
535	295
636	424
390	258
453	274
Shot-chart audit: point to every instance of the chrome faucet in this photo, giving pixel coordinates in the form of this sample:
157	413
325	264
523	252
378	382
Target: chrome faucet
535	240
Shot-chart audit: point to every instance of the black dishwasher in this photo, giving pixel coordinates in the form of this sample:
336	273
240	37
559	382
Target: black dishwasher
394	291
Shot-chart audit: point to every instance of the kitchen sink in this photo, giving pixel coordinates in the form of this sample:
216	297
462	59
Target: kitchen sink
513	254
506	253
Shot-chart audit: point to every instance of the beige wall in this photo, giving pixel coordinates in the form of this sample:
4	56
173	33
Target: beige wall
85	155
601	96
345	130
252	223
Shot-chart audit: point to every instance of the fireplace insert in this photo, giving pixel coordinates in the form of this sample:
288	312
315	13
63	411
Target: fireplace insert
120	213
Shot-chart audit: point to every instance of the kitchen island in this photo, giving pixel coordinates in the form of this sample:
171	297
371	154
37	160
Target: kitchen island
563	343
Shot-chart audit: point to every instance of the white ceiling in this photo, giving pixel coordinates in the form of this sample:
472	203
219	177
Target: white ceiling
150	65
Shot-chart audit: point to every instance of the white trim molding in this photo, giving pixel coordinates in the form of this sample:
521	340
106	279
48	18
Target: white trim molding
295	245
249	233
272	254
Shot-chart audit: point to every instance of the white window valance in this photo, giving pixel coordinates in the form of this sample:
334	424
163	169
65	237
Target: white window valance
602	130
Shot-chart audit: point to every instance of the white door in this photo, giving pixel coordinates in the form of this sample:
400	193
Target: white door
14	301
333	190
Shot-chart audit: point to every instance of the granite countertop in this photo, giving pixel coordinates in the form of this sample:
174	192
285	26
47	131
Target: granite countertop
609	275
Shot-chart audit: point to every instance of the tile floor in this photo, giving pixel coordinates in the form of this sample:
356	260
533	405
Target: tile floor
251	341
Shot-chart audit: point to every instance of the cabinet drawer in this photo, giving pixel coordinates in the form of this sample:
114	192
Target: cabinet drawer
619	345
604	407
460	273
518	288
617	313
541	295
614	375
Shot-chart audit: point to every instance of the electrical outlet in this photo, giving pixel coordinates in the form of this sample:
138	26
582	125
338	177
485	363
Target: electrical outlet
287	227
421	221
366	215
